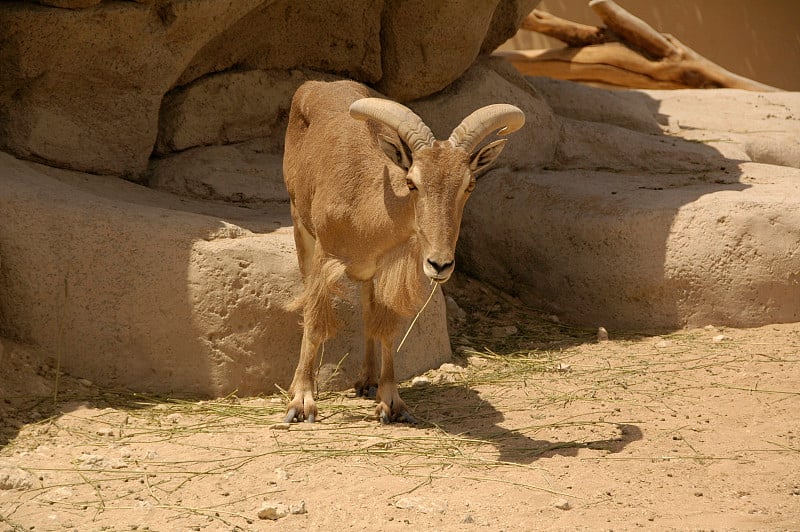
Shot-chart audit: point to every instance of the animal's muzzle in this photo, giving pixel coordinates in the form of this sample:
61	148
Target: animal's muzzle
438	270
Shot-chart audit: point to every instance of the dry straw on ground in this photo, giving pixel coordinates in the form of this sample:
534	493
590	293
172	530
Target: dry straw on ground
542	428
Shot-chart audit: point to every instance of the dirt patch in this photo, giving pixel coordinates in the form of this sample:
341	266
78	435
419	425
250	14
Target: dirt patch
536	425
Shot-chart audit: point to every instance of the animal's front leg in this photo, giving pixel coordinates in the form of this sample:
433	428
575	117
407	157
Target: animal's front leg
390	406
302	406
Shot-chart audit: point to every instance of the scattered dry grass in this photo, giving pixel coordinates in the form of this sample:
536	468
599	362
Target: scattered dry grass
546	391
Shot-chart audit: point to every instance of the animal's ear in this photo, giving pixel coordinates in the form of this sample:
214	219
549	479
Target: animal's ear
483	158
395	150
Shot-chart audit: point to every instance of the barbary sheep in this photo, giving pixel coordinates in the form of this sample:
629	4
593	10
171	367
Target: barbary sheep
377	198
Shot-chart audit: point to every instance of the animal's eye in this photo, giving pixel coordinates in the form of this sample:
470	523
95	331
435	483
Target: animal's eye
471	186
410	184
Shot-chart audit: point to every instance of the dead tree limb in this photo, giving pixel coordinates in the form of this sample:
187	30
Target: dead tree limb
633	30
627	52
571	33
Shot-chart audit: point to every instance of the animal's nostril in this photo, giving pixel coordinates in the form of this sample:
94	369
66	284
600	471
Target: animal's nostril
440	267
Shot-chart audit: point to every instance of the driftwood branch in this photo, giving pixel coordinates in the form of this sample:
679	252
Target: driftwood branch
571	33
633	30
627	52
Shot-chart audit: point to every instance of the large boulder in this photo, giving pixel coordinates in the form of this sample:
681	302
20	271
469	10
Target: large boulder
696	224
454	35
132	287
82	88
487	82
84	82
245	173
230	107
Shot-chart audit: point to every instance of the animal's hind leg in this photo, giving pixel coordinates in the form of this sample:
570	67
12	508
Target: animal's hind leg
367	383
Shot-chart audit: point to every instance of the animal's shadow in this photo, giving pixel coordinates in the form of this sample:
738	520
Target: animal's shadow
461	411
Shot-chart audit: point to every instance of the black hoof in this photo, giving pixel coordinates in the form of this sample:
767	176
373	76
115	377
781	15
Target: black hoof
291	416
402	417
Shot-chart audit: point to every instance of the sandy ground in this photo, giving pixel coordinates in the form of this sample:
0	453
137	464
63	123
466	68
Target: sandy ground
537	426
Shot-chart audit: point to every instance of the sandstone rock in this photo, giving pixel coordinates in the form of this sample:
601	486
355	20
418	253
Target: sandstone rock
246	173
760	127
85	93
23	375
14	478
427	46
448	367
240	118
506	21
165	294
298	509
285	34
272	511
477	361
490	81
651	246
627	109
83	88
598	146
420	381
562	504
638	257
229	107
448	373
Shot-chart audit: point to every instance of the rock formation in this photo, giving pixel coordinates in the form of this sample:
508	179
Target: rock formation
625	227
87	84
140	288
636	209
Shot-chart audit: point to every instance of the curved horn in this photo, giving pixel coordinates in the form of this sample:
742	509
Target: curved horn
408	125
477	126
